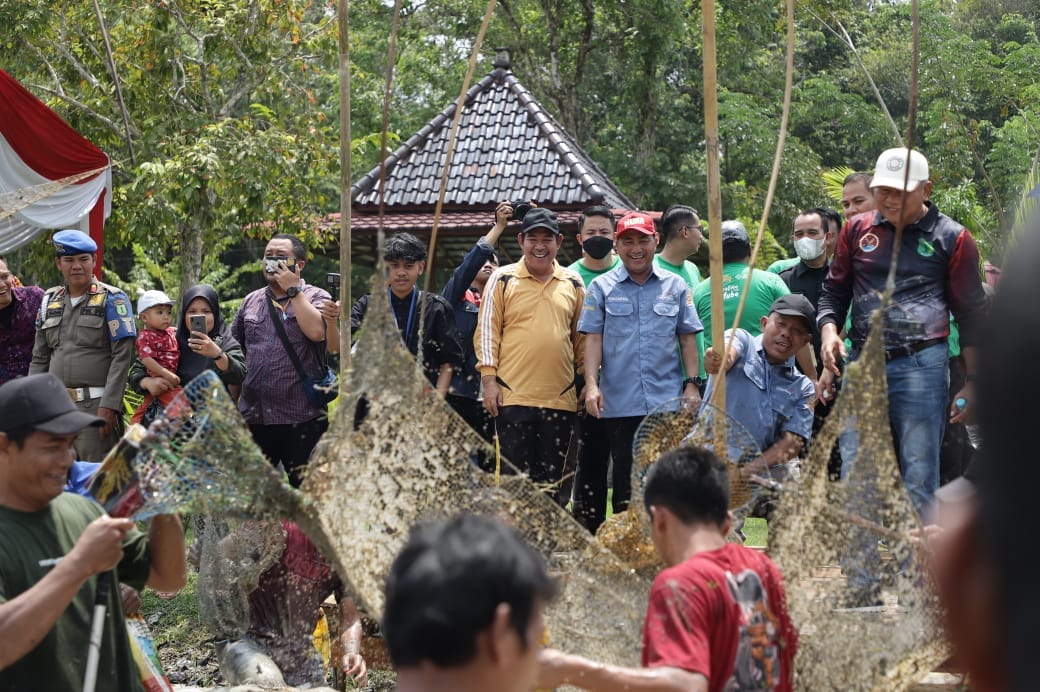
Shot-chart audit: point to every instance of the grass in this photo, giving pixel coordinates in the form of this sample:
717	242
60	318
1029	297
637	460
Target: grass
756	532
180	635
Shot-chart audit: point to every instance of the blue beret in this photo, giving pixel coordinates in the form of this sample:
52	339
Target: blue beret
73	243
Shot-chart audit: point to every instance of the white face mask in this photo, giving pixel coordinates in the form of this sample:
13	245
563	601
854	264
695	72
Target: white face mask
808	248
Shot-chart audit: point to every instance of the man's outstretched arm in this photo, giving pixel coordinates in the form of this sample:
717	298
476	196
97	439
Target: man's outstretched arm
558	668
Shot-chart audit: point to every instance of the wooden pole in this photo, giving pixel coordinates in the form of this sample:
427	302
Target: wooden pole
711	141
342	8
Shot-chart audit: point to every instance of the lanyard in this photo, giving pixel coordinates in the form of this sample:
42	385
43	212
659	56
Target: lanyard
411	313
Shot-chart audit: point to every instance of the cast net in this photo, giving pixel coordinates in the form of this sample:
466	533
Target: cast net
412	459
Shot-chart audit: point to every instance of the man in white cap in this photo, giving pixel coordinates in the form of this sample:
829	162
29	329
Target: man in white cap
54	545
85	335
938	273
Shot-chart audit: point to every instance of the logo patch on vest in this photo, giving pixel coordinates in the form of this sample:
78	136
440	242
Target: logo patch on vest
869	242
924	248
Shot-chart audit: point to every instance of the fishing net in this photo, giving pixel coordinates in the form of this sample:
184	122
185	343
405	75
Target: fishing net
412	459
827	535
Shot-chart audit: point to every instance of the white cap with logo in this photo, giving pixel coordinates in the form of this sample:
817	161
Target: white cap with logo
891	169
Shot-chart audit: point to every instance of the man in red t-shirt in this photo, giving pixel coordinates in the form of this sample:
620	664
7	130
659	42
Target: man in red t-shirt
717	617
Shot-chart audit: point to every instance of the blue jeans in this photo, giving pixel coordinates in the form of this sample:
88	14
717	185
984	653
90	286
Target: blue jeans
918	387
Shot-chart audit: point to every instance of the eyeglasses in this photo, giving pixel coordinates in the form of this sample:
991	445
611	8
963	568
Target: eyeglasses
698	228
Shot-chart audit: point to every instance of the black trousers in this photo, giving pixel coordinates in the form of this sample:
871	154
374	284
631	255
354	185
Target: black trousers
290	445
473	412
608	438
535	440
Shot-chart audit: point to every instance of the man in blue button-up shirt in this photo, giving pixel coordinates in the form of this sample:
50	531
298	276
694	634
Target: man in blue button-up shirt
765	392
631	318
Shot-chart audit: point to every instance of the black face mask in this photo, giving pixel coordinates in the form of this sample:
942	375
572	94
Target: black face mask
598	246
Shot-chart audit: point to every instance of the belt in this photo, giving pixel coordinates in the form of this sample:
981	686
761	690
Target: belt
79	394
910	349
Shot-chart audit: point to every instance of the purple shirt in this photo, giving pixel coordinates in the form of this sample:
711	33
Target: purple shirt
18	331
272	393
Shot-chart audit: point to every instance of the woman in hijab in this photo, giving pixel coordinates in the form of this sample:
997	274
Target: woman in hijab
215	349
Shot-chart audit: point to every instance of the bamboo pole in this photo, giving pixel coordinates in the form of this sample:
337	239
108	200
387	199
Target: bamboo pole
343	20
711	141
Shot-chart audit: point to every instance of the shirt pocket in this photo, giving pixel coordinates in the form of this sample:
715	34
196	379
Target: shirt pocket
664	319
619	320
90	330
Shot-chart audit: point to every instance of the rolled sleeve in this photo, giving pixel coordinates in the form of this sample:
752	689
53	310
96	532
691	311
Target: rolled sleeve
592	311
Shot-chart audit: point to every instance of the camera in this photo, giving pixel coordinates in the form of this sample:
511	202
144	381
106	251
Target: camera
332	279
520	209
197	323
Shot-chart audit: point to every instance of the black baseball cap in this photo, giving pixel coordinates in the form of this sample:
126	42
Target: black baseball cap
42	402
795	305
540	217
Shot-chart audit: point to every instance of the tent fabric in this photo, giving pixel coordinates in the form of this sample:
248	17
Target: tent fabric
36	147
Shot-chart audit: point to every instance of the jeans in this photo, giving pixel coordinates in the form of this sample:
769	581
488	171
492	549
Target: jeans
918	387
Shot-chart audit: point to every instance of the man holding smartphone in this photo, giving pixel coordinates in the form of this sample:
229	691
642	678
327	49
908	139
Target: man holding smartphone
284	423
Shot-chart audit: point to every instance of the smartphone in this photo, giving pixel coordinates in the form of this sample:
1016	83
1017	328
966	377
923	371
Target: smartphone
197	323
332	280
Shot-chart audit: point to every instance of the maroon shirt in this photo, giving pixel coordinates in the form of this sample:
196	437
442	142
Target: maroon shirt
284	606
18	331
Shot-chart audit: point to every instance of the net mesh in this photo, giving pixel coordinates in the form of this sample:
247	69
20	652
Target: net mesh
410	460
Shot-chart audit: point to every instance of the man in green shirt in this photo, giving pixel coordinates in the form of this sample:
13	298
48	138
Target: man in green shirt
681	235
54	545
765	287
596	238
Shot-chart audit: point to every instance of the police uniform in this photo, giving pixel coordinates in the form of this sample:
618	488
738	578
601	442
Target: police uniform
88	344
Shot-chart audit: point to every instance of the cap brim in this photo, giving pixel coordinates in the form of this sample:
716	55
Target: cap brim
794	313
68	423
894	183
554	231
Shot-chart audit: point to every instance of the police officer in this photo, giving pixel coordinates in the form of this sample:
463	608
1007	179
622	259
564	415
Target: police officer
85	335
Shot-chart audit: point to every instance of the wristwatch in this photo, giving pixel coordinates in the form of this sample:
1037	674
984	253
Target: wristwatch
697	382
292	292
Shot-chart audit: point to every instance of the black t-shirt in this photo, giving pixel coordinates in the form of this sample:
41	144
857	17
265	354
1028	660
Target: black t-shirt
808	281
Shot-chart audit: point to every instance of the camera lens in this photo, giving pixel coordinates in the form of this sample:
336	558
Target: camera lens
520	209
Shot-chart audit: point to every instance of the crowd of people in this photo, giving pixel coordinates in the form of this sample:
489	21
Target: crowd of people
561	365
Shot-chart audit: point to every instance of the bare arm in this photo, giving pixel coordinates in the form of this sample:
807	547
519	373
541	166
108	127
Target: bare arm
444	379
558	668
353	663
780	452
153	366
593	359
27	618
169	569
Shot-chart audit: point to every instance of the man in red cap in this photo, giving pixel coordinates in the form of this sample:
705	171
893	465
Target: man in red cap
630	319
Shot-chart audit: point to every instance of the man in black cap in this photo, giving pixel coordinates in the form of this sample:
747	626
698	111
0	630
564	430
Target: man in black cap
85	335
765	392
53	545
529	349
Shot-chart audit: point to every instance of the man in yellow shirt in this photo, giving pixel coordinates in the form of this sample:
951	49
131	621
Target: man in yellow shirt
528	350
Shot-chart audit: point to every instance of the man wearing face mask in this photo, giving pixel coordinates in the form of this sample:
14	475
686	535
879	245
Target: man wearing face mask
596	237
811	237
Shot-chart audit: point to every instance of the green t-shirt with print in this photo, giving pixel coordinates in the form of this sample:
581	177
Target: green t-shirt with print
766	287
689	273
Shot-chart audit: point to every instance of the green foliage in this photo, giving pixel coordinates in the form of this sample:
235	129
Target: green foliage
834	183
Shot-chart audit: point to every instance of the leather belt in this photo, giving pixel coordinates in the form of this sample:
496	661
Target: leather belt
913	348
79	394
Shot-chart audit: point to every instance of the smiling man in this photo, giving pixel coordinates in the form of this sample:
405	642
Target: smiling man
53	545
631	319
85	335
529	350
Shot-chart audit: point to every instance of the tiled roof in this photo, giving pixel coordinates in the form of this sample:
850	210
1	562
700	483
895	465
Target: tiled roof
508	147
